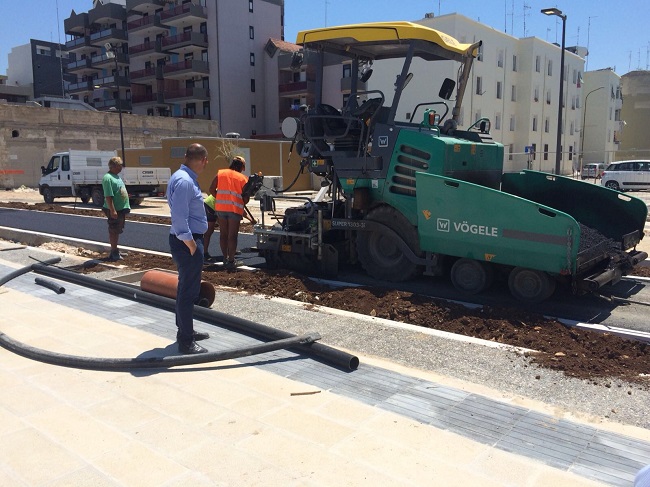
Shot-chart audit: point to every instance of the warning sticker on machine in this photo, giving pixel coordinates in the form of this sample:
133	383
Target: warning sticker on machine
445	225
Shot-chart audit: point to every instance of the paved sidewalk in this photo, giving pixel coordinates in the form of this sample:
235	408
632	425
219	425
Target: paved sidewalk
275	419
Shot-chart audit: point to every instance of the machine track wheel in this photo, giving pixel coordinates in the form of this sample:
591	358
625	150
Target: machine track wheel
471	276
529	285
380	254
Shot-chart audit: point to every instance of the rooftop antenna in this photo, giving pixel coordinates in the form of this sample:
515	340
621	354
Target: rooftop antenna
526	7
588	28
512	18
629	60
58	25
327	2
548	29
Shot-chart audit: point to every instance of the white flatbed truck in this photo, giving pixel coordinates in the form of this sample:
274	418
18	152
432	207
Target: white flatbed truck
79	174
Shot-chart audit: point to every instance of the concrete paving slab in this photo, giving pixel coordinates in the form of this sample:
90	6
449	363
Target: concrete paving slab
237	422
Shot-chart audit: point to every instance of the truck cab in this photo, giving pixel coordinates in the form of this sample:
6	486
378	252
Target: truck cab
56	178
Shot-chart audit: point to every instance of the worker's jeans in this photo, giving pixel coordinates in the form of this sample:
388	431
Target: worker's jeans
189	284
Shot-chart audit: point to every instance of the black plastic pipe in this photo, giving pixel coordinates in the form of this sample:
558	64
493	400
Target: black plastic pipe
328	354
57	288
93	363
24	270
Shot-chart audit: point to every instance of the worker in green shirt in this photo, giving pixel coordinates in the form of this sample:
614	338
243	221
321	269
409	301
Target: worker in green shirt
116	204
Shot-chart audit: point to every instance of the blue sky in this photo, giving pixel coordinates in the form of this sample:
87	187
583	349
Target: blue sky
618	37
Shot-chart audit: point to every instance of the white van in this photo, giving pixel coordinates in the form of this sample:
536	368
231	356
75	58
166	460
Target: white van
627	175
593	170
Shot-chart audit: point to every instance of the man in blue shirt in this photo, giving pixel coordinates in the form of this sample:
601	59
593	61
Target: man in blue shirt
189	223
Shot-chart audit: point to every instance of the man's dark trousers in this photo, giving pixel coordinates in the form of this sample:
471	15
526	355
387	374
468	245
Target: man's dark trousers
189	285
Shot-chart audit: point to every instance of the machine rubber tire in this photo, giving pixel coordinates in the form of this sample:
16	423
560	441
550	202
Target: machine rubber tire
135	201
48	195
530	286
612	185
471	276
97	195
380	255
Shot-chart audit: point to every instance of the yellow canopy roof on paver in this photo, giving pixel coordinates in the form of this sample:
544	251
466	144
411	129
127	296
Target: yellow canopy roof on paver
384	40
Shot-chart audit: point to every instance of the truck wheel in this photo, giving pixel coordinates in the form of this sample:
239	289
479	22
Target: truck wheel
84	195
531	286
97	195
471	276
135	201
48	195
380	254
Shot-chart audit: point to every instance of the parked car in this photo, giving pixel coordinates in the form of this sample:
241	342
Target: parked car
627	175
593	170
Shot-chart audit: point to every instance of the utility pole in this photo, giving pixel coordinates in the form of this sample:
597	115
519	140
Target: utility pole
111	52
558	154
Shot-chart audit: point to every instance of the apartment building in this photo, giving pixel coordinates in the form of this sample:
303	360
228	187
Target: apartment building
198	59
37	69
601	125
635	115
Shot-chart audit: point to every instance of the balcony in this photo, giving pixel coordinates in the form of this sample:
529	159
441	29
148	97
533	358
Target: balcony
76	24
79	45
81	87
188	95
148	99
111	104
147	74
151	24
144	6
183	15
108	35
80	67
290	113
107	13
186	69
146	48
110	82
296	88
185	42
102	60
346	85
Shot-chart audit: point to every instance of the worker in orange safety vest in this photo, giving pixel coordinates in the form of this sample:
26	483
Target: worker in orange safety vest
229	206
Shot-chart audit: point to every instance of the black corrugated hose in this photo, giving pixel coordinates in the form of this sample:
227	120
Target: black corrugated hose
280	339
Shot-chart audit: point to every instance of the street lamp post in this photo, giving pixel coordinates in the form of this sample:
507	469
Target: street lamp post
110	53
582	133
558	152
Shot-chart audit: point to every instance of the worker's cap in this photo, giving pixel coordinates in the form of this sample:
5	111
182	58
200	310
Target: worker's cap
240	159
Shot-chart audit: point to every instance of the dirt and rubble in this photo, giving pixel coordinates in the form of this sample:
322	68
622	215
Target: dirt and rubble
596	357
